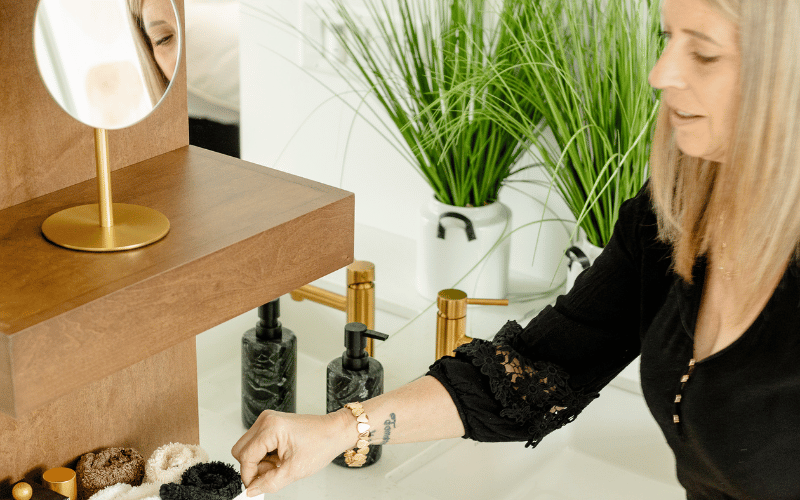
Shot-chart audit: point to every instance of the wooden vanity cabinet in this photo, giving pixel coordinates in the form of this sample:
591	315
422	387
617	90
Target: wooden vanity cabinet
98	349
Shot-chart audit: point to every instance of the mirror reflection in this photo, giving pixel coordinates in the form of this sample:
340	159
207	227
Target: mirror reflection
108	63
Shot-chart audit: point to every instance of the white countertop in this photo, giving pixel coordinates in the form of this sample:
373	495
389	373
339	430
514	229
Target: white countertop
219	385
421	470
319	331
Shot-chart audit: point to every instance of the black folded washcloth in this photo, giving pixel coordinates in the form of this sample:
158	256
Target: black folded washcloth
208	481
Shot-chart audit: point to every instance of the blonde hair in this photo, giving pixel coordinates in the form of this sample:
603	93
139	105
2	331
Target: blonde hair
155	80
751	203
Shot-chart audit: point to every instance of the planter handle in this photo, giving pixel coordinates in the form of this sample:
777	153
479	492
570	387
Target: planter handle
469	229
575	254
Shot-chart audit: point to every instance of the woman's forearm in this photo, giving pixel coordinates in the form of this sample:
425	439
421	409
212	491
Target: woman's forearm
419	411
282	447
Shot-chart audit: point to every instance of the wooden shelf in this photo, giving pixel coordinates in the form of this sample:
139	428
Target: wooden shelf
241	234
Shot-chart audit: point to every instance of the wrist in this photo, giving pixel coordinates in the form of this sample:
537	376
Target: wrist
357	456
344	429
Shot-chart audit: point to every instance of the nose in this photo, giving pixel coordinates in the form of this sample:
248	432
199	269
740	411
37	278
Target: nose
668	71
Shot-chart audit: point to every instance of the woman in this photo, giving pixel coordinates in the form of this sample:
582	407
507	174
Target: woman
699	278
156	37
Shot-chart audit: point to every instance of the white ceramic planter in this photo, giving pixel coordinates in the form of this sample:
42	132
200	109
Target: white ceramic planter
453	240
581	255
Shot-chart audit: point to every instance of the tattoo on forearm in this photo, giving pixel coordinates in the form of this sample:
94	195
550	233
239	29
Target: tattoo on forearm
388	424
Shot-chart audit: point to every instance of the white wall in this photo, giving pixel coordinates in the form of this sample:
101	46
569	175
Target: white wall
290	121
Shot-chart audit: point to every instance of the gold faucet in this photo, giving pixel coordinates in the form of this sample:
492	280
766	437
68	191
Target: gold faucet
451	321
359	303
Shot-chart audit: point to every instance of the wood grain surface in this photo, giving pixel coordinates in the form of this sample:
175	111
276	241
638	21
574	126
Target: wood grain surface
241	235
144	406
98	350
42	148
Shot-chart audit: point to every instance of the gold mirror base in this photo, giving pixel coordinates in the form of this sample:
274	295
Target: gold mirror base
78	228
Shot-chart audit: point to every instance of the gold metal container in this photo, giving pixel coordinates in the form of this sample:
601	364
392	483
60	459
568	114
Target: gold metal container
22	491
62	481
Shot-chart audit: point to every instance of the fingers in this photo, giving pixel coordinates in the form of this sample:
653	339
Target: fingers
273	458
249	458
273	479
256	451
275	451
250	451
267	479
253	463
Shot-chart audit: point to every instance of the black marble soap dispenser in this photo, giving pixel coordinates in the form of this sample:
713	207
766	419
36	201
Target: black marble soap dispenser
355	376
269	366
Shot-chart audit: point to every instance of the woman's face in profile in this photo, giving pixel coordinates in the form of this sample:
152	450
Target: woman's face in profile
698	73
162	30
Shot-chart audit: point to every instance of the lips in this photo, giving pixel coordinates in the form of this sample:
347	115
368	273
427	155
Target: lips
686	114
677	120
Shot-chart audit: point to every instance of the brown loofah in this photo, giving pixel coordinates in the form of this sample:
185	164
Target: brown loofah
107	467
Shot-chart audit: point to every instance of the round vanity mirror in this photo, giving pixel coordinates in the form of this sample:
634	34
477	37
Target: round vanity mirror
108	63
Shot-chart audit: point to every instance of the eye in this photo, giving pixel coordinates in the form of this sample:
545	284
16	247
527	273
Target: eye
163	40
704	59
664	35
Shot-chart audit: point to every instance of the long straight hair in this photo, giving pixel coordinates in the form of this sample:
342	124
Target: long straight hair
156	81
750	204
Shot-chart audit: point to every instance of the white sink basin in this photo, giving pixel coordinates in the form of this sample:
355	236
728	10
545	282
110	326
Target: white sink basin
614	450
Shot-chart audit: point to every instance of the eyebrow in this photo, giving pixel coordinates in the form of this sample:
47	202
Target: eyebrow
696	34
156	23
701	36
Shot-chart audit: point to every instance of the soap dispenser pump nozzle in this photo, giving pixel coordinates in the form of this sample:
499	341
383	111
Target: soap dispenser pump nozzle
268	326
355	340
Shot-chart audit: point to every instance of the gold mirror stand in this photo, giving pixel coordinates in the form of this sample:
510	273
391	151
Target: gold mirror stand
107	226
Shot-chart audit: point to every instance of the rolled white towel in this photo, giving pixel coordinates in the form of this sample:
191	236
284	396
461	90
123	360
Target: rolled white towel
122	491
168	463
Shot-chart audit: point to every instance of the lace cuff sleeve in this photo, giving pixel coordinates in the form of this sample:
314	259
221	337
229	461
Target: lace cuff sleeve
531	398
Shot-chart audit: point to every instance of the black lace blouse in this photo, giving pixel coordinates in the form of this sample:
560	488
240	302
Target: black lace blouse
737	434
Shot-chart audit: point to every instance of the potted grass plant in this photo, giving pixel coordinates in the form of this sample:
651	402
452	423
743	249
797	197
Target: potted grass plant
423	62
588	62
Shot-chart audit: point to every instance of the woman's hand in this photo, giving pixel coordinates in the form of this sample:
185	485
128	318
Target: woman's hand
281	448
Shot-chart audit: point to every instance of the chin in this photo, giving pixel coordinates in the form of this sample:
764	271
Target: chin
698	151
691	152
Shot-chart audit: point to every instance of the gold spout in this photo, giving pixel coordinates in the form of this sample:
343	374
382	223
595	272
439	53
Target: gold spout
320	296
451	321
359	304
488	302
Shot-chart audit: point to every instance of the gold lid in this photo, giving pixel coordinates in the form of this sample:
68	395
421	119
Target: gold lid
360	271
452	303
22	491
61	480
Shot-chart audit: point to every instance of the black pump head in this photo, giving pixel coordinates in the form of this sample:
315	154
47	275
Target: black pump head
268	327
355	340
